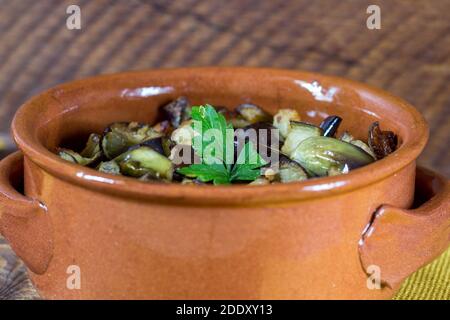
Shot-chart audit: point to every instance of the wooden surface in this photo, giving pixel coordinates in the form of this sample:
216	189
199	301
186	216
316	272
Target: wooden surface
409	56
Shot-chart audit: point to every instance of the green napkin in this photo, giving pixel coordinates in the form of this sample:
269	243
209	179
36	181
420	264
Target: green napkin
432	282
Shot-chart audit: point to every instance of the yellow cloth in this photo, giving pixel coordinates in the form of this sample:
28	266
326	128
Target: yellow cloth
432	282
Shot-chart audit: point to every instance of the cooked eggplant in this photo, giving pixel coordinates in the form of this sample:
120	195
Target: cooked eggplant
114	144
162	145
92	148
191	181
90	154
110	167
365	147
347	137
134	132
144	159
74	157
282	120
156	144
259	182
336	171
319	154
233	117
269	174
238	122
163	127
184	134
164	152
176	111
381	142
252	113
330	126
135	169
290	171
298	132
120	136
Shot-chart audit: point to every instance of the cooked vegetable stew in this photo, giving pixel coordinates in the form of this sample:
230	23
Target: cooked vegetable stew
176	149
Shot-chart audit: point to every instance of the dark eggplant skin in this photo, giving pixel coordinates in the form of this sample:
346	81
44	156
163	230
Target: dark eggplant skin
318	154
156	144
330	125
381	142
175	111
252	113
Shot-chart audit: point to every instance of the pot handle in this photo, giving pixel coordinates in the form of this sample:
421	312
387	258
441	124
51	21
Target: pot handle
24	221
401	241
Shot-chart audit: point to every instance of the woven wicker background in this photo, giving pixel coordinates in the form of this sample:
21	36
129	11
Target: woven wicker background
409	56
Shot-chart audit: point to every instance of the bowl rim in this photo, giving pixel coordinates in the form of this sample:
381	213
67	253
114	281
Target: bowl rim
233	195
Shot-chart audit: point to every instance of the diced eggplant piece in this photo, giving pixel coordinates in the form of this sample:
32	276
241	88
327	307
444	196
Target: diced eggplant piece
319	154
282	120
163	127
191	181
261	181
224	111
150	177
175	111
144	159
156	144
253	114
299	131
238	122
119	136
269	174
381	142
134	132
91	153
336	171
290	171
184	134
72	156
365	147
330	126
113	144
347	137
134	169
92	148
110	167
162	145
187	181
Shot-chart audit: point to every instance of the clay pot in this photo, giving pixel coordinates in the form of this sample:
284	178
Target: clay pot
332	237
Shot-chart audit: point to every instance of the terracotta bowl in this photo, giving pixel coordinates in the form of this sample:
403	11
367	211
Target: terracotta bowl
83	234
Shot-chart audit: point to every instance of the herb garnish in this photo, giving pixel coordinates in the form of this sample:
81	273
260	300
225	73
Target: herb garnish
216	167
